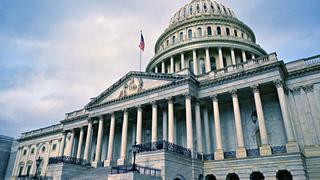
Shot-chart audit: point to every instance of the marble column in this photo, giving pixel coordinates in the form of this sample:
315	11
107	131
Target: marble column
189	122
70	144
182	61
195	62
123	151
265	149
165	124
17	162
171	65
199	127
63	139
87	148
292	146
253	56
108	162
233	57
220	58
244	56
218	154
154	137
241	151
139	125
207	129
80	143
208	63
171	120
163	67
99	142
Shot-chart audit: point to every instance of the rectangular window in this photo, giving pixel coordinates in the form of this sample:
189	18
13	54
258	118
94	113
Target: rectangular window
24	152
32	151
54	147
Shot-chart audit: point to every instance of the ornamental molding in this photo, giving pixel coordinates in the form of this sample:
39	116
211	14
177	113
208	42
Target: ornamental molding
308	88
304	72
255	88
234	93
296	91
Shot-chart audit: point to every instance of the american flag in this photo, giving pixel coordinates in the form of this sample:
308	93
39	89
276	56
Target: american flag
141	45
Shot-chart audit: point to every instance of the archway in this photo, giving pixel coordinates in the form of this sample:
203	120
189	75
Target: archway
210	177
179	177
284	175
232	176
256	176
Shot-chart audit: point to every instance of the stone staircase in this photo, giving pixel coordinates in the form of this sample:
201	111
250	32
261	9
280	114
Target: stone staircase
93	173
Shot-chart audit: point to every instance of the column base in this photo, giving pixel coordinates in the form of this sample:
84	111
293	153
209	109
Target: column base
107	163
292	147
121	161
241	152
218	155
96	164
312	151
265	150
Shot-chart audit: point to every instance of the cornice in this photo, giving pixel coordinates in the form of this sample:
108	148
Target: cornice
303	72
76	118
40	135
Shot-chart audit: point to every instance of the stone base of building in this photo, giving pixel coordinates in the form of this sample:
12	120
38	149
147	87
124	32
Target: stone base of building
121	162
312	151
218	155
107	163
265	150
292	147
132	176
241	153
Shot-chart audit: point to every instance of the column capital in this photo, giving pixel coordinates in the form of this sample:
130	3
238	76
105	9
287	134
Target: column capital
125	111
234	93
154	103
139	107
188	95
214	97
170	99
255	88
296	90
308	88
278	83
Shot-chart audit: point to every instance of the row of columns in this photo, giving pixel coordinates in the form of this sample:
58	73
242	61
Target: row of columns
207	61
169	129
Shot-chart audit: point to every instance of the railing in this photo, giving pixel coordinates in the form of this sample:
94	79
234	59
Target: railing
253	152
163	145
139	169
75	113
205	157
279	149
69	160
41	131
25	177
230	155
312	60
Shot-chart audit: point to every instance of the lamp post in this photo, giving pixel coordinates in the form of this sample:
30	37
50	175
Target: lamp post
134	151
38	162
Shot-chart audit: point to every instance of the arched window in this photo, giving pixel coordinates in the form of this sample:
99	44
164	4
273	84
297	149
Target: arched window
28	169
219	30
173	39
232	176
258	138
181	36
210	177
235	33
191	65
190	34
242	35
20	171
213	63
199	32
205	7
212	7
284	175
228	31
190	10
209	30
256	176
198	8
202	66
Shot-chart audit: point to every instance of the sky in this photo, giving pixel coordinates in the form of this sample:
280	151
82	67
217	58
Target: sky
57	54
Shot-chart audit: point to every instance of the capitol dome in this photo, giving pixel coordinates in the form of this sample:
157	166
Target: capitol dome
204	36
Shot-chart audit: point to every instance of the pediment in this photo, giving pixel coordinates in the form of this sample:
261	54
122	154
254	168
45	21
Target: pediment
131	84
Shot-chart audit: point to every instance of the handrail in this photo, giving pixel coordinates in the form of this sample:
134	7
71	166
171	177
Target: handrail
69	160
139	169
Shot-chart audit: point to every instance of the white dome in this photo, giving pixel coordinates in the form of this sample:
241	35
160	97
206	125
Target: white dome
198	8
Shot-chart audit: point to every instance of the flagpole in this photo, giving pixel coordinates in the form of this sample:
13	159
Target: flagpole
140	61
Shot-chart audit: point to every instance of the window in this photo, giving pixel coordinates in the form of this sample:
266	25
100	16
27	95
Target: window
242	35
20	170
209	31
228	31
235	33
54	147
32	151
213	63
24	152
173	39
199	32
219	9
219	31
43	149
181	36
198	8
191	65
190	34
28	169
202	67
168	42
205	7
212	7
190	10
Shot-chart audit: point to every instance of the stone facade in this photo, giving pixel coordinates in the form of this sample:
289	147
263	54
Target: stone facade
212	104
5	149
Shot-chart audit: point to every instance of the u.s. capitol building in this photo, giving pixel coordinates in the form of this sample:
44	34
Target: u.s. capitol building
212	104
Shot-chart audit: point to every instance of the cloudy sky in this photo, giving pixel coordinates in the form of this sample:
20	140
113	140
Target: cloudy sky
57	54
